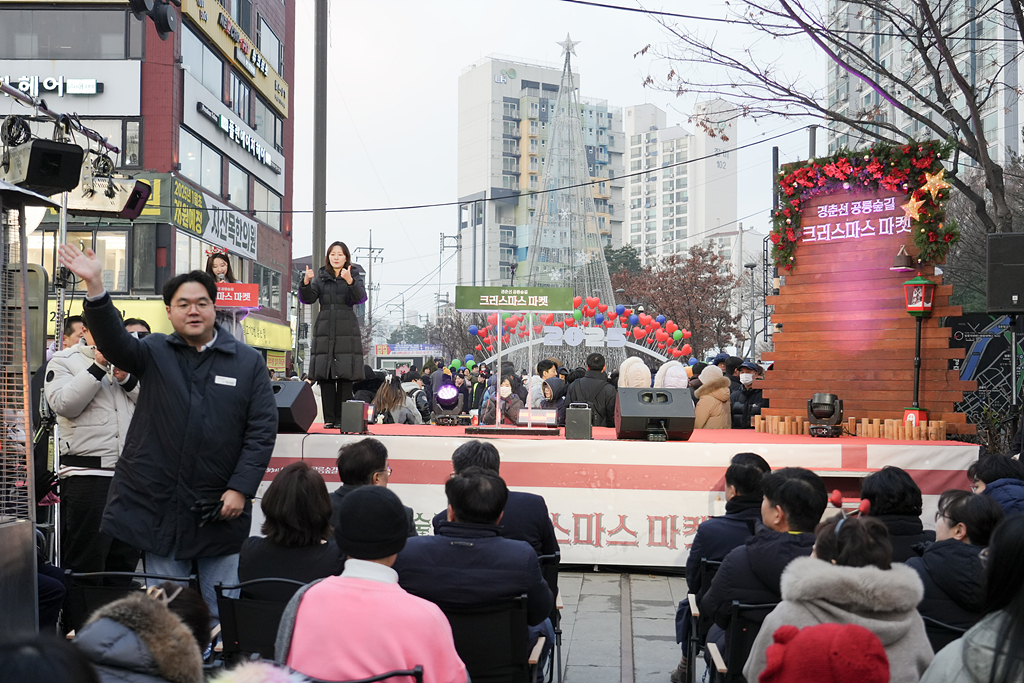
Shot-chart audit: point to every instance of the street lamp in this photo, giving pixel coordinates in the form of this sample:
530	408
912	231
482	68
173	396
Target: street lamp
919	293
753	334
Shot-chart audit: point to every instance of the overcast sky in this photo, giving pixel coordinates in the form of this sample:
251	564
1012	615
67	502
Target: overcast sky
393	103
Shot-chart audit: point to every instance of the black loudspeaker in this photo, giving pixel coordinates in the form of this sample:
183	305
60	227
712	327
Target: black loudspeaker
654	414
296	406
1004	291
578	421
354	416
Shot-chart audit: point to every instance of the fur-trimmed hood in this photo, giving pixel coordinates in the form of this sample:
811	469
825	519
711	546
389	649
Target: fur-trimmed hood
634	373
718	388
671	375
140	635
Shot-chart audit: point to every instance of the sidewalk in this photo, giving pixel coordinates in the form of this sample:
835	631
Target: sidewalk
607	641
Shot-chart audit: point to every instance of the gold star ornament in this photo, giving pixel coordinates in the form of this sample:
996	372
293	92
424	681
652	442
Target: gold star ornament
934	183
913	208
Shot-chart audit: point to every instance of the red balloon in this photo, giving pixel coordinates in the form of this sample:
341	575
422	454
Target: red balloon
592	301
609	323
570	322
576	301
628	312
661	335
479	347
661	346
482	332
639	332
671	327
602	308
490	348
676	353
655	324
687	349
612	315
492	318
687	334
537	329
547	318
559	323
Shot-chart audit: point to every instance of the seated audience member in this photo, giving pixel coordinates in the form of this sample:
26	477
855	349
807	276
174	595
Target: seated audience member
794	500
44	658
594	390
951	567
468	563
746	400
392	406
712	410
634	374
1001	478
362	623
717	537
554	398
525	517
990	651
826	653
363	463
546	369
851	579
298	543
671	375
149	637
412	385
365	389
896	502
511	404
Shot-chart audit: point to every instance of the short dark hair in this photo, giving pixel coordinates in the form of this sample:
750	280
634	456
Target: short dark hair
327	256
189	606
477	496
1004	590
745	472
800	493
138	321
476	453
297	507
979	514
993	466
42	658
69	324
171	286
357	461
860	542
698	368
412	376
732	364
595	361
544	366
892	492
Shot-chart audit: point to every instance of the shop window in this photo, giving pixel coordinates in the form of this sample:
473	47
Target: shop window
267	205
202	62
269	281
199	161
112	251
240	95
57	34
238	186
144	258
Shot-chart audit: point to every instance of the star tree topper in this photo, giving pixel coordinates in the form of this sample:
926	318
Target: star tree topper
934	183
568	45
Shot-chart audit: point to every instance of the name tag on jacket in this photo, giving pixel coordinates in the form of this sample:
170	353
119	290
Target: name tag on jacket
226	381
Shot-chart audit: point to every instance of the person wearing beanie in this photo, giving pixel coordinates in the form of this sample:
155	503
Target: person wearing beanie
332	629
712	410
826	653
719	361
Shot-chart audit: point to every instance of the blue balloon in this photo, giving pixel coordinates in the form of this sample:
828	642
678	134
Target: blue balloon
693	361
620	309
469	357
661	319
634	319
474	330
598	318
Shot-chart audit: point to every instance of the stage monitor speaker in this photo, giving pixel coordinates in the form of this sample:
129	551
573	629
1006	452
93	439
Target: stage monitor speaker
577	422
654	414
354	416
296	407
1004	290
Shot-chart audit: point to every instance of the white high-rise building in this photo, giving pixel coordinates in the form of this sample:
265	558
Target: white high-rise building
504	107
681	188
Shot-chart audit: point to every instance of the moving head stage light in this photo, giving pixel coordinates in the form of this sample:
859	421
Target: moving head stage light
825	412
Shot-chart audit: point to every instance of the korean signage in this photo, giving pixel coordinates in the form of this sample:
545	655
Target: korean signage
238	134
238	295
53	85
847	217
267	335
91	88
546	299
276	361
208	219
408	350
220	28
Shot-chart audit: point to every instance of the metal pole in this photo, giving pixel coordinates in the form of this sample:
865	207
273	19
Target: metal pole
917	361
1013	360
320	134
753	330
369	290
36	103
497	382
812	141
775	175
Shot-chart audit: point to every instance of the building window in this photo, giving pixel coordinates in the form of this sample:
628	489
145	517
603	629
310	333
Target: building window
112	251
57	34
202	63
267	124
238	186
240	95
241	12
199	162
270	45
144	258
121	133
267	205
269	281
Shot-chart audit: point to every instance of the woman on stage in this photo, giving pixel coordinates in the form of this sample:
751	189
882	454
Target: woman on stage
219	268
336	355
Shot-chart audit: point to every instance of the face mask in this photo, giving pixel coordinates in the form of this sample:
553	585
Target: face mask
747	380
505	391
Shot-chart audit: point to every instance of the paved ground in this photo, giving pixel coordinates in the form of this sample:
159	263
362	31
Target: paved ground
606	641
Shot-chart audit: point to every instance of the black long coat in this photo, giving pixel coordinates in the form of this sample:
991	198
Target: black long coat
204	423
336	350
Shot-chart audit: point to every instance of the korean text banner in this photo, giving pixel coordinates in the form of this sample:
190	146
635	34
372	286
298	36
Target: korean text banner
539	299
208	219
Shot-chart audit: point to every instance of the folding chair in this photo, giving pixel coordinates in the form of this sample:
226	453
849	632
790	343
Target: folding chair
744	623
493	642
549	565
415	673
707	571
87	592
940	634
249	626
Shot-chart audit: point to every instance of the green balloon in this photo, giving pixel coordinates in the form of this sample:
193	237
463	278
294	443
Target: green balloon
677	335
471	364
578	315
456	364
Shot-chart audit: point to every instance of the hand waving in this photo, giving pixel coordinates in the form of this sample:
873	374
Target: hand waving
86	266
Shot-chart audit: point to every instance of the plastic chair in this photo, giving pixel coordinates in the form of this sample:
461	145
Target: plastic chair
493	642
744	623
88	591
549	565
249	626
707	571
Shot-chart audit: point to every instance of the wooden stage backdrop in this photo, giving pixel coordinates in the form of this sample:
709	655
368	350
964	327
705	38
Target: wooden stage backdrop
846	330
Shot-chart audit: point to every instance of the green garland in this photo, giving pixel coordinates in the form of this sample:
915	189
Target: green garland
901	168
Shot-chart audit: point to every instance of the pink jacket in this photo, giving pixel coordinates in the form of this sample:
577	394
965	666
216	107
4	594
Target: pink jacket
350	628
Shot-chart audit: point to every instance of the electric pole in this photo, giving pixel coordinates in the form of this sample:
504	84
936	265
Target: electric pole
319	135
440	258
371	256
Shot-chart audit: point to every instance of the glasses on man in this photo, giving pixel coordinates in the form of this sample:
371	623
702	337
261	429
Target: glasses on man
983	556
387	469
186	306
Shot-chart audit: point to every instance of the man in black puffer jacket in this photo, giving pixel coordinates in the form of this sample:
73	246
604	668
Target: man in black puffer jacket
746	400
594	390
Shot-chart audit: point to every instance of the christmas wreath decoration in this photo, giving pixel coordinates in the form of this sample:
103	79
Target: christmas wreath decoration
915	169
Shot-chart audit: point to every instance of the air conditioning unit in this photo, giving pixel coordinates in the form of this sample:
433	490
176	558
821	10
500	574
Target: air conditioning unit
844	97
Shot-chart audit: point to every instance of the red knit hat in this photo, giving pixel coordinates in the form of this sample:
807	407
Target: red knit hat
836	653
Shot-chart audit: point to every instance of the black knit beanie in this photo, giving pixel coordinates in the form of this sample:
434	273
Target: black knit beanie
372	523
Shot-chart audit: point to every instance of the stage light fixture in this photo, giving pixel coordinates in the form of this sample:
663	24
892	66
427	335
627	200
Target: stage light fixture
449	402
825	412
102	194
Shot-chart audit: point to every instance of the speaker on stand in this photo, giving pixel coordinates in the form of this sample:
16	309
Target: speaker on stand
296	406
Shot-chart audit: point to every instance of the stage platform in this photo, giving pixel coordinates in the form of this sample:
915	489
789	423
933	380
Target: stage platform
626	502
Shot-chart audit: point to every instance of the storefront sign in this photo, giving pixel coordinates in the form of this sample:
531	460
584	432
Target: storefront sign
57	85
239	48
238	134
276	361
267	335
208	219
153	311
482	299
238	295
408	350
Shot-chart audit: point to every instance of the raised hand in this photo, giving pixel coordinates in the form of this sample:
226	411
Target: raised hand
346	274
308	275
86	266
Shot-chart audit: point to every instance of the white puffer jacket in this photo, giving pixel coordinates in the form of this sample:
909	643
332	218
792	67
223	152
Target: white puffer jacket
93	409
